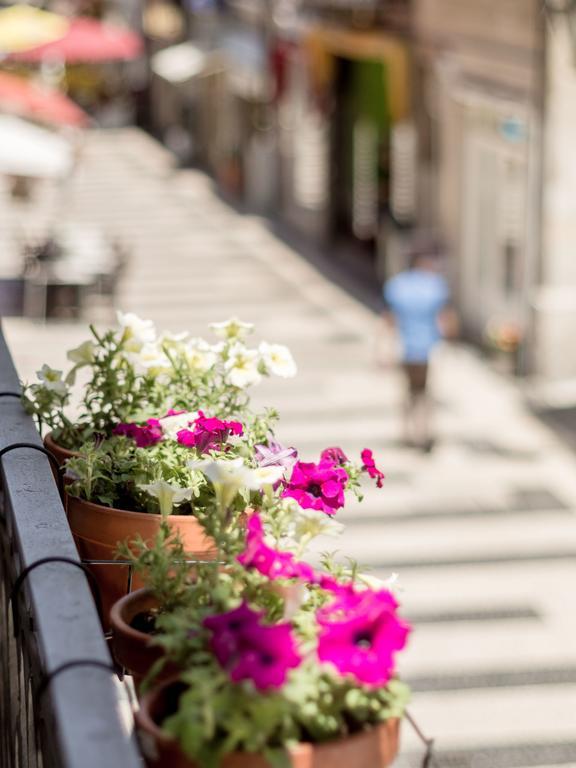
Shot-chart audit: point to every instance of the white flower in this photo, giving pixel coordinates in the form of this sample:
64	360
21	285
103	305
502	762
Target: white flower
278	359
200	355
168	495
242	367
171	425
310	523
168	338
52	380
373	582
82	355
137	332
232	329
228	476
173	342
150	358
265	476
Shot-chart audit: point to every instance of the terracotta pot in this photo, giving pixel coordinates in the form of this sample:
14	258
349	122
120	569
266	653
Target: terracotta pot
374	748
132	648
60	453
97	530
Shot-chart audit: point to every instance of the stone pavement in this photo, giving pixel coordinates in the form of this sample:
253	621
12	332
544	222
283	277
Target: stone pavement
482	532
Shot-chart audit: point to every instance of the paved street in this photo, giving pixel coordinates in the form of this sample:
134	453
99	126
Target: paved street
482	532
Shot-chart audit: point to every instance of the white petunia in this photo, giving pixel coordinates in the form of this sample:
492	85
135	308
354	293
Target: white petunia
137	332
228	476
150	358
171	425
200	355
373	582
168	495
173	342
232	329
278	360
242	367
83	354
52	380
310	523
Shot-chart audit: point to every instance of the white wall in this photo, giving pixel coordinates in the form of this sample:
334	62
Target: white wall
555	300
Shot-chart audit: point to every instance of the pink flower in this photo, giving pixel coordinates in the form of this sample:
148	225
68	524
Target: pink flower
334	455
369	466
267	653
227	627
360	634
268	561
144	436
275	455
317	486
209	433
250	650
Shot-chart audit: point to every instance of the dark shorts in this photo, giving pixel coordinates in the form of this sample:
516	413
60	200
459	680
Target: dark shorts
417	375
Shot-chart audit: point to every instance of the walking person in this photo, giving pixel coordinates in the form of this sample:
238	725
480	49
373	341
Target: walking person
417	307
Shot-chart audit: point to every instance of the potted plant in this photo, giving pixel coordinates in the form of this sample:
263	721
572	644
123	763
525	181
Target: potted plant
132	372
281	662
149	405
503	339
163	565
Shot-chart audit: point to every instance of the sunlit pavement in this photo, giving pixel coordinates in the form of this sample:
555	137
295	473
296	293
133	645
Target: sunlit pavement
482	531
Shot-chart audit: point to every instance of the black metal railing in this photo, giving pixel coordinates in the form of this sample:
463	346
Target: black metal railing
61	705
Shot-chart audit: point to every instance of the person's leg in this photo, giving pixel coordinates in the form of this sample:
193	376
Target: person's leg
417	414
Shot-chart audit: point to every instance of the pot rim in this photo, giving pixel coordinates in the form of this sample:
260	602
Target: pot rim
101	509
143	717
119	623
49	440
146	723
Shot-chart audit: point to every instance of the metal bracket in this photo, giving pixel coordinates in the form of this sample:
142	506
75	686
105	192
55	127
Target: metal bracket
429	759
44	560
47	679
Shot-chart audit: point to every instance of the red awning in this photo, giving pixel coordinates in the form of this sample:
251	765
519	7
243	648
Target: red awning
87	40
25	98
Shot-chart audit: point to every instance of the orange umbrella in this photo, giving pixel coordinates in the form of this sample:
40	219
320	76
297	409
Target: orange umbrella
28	99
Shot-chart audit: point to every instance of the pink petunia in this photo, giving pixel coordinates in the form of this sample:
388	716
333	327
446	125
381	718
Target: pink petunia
227	627
143	435
334	455
317	486
250	650
268	561
360	634
369	466
209	433
267	654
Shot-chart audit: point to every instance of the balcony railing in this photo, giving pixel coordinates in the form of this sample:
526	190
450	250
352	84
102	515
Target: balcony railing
61	705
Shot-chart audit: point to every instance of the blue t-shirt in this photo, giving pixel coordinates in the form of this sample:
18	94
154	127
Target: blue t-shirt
415	298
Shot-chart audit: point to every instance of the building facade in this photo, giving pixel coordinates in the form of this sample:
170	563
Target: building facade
364	123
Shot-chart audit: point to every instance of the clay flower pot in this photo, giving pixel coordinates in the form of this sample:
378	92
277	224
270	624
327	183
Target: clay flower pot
131	645
59	453
97	530
376	747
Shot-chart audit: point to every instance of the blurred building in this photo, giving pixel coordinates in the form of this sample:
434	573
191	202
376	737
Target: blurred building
480	68
363	123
